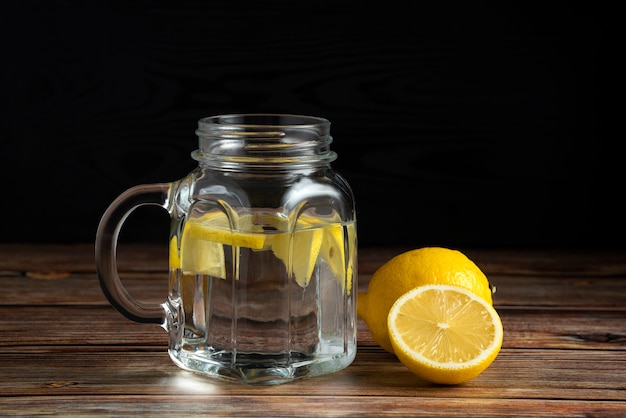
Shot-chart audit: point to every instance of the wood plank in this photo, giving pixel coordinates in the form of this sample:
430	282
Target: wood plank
73	289
550	262
42	258
65	351
512	290
589	292
528	374
72	327
559	328
75	326
190	404
24	257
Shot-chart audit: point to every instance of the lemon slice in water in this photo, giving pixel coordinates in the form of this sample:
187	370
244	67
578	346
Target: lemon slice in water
203	240
334	254
216	227
299	250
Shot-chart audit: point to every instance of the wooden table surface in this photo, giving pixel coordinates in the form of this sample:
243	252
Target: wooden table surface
65	351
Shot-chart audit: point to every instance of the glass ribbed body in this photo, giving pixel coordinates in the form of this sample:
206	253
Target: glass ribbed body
262	253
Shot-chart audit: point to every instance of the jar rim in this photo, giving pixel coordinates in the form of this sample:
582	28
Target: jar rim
264	139
264	120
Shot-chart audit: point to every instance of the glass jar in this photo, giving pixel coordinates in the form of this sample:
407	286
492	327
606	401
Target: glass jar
263	253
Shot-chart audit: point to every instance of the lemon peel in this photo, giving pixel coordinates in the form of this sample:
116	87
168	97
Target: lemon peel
421	266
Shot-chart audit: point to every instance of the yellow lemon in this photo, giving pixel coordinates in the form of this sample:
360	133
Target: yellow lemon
174	256
427	265
313	238
444	334
201	256
216	227
334	254
298	250
203	240
350	258
299	247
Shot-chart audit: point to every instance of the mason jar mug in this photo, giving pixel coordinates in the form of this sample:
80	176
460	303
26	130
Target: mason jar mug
262	253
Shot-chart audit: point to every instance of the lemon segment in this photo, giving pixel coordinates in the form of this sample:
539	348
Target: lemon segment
216	227
445	334
299	251
174	259
203	240
200	256
334	254
351	262
333	251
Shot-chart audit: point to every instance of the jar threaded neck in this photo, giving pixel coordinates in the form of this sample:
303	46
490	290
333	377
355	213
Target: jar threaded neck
264	140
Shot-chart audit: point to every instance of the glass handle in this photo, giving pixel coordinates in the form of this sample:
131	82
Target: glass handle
106	245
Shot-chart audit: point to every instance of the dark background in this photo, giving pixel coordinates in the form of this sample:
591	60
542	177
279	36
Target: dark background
456	123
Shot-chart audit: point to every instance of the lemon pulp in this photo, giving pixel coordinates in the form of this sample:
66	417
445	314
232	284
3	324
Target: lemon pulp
445	334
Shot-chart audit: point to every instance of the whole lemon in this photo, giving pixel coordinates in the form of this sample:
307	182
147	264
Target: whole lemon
404	272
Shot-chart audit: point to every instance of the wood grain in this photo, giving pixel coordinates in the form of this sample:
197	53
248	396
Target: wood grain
64	351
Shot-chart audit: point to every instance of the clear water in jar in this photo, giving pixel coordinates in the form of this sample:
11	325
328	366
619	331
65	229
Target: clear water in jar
266	303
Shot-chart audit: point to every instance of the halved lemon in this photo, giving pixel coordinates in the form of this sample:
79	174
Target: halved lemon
417	267
444	334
